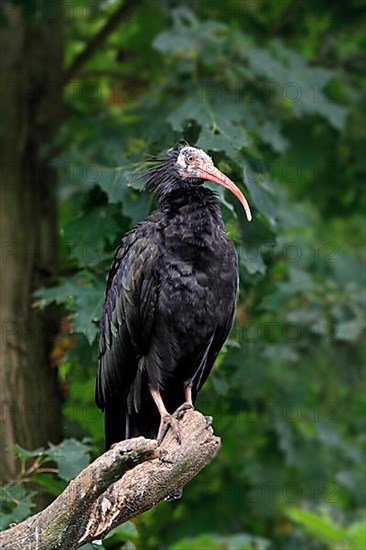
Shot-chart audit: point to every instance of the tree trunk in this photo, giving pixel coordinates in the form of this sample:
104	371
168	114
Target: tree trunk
31	85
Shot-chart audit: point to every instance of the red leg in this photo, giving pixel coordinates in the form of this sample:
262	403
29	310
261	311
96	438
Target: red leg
188	395
167	419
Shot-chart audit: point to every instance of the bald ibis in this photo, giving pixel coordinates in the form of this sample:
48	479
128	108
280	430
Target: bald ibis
170	300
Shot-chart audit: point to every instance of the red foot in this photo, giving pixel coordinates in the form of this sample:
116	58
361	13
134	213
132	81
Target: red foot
172	421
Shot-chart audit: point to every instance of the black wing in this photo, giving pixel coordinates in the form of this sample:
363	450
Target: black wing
217	341
125	327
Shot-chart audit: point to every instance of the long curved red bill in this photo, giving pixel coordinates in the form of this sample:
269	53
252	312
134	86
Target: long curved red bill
215	175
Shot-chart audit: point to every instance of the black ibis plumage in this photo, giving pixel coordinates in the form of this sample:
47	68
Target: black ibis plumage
170	300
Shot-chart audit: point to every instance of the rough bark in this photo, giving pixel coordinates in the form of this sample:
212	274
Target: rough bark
100	499
31	85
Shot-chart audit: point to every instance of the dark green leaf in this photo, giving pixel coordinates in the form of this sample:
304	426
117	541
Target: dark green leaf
71	457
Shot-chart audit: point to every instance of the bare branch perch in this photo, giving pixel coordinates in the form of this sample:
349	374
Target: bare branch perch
98	40
121	484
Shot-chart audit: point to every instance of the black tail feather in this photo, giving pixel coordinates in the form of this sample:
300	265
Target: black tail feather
115	423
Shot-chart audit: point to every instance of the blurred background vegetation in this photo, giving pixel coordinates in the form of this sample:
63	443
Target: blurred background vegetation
273	91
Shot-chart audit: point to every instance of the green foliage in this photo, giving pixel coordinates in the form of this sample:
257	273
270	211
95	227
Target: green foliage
48	470
78	294
16	505
125	533
71	457
322	527
216	542
273	92
125	536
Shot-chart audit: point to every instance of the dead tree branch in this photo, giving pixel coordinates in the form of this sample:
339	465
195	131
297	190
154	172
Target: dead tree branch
121	14
124	482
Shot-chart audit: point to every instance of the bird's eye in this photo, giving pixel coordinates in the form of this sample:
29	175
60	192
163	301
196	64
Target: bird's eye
190	158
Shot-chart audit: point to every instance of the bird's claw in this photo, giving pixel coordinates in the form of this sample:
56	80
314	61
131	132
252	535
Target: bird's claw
172	421
209	421
168	421
179	413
